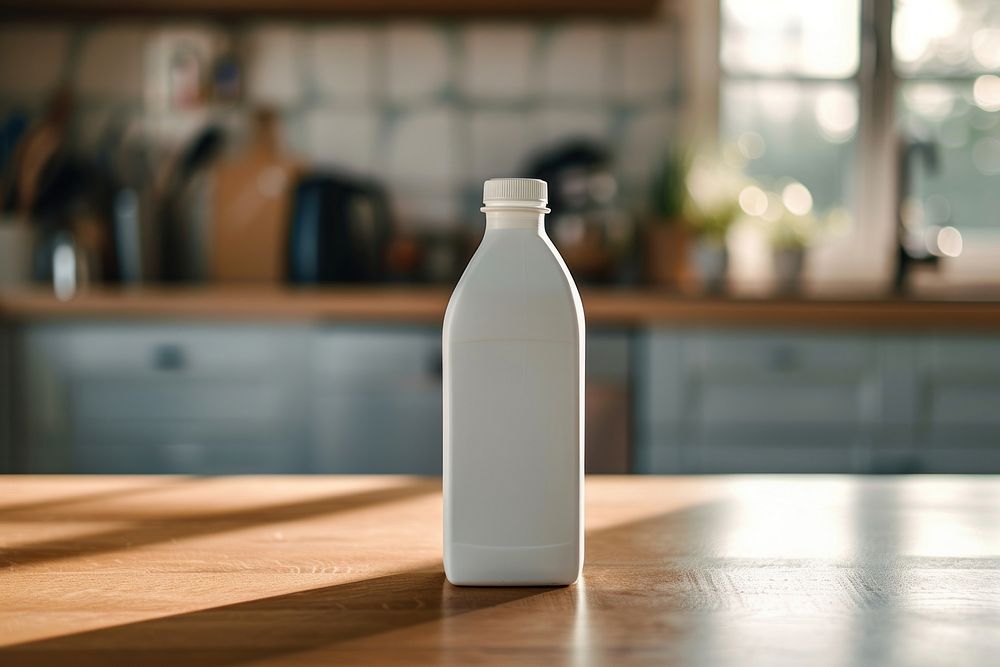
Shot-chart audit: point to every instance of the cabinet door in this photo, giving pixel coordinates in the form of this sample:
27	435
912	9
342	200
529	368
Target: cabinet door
957	404
607	424
375	403
145	398
757	402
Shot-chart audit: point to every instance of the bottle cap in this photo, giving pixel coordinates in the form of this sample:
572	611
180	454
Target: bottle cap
516	192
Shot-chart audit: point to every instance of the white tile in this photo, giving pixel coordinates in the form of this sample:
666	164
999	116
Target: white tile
32	58
343	63
647	62
162	46
557	124
644	144
274	67
576	63
426	208
342	139
422	149
112	62
499	142
498	62
417	62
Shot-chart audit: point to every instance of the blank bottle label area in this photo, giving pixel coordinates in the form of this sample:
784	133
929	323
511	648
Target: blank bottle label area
515	451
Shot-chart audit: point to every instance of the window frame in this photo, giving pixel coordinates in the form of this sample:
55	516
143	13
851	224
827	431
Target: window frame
870	253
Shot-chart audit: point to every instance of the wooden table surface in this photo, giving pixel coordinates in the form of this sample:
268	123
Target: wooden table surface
347	570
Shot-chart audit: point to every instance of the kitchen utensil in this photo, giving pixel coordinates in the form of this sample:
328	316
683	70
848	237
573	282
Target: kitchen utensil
251	203
181	222
587	225
340	230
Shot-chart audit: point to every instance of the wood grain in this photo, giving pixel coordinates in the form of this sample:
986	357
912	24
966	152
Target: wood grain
427	305
347	570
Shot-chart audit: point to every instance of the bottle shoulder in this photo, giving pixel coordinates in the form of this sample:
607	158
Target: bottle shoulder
515	286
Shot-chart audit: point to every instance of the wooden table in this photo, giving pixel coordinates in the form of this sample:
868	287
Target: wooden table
347	570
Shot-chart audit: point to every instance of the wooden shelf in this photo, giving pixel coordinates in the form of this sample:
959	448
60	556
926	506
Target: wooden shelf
427	305
331	8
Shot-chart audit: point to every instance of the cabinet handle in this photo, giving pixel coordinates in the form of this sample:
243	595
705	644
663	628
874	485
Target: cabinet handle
435	365
169	357
784	358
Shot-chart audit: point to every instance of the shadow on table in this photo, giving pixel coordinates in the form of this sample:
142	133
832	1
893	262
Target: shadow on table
146	531
275	626
152	486
327	617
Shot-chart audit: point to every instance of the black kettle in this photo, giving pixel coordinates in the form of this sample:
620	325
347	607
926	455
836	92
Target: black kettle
339	231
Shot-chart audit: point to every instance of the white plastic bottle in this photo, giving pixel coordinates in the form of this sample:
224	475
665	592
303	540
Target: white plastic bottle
513	403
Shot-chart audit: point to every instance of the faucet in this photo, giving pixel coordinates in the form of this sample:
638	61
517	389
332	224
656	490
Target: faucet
911	245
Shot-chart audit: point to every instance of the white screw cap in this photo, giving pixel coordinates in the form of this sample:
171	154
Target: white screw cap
528	192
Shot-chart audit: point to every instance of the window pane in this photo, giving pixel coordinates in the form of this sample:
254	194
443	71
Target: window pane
960	123
793	130
795	37
946	36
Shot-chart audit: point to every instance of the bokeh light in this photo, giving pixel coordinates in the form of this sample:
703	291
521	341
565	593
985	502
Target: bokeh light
797	198
986	92
753	200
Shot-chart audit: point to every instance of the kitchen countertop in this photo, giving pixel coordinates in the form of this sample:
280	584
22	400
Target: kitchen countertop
347	570
401	304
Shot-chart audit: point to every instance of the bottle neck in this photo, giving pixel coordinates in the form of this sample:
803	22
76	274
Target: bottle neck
524	219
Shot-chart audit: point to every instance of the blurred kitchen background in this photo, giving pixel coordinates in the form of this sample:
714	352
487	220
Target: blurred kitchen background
229	230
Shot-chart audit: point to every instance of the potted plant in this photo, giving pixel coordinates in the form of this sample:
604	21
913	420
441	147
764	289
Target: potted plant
790	236
791	227
712	206
666	242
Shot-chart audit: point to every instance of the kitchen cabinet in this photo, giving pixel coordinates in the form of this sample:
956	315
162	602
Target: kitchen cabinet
375	402
774	401
138	396
950	402
153	398
227	399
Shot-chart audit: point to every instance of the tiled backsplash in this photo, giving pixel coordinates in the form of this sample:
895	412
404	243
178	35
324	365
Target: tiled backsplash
430	108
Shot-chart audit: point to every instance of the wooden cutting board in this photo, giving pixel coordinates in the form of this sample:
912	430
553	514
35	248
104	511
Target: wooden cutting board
251	207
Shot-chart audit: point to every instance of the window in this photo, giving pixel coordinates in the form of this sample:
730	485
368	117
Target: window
794	75
789	96
947	55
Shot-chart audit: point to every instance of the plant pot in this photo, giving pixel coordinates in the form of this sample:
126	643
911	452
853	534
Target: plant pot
788	264
710	259
665	254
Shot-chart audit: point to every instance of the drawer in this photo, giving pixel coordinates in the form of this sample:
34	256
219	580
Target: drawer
193	350
777	354
189	448
167	398
773	459
789	401
365	357
379	432
979	356
958	392
953	403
